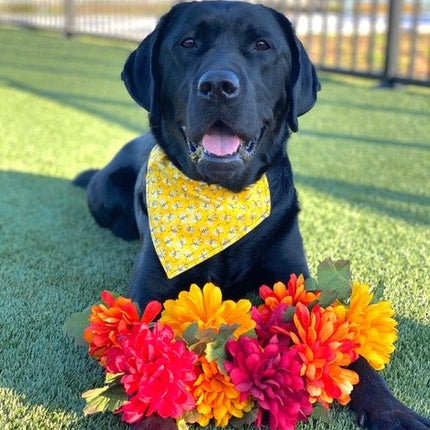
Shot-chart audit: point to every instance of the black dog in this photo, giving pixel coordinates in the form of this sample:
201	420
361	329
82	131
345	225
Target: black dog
224	83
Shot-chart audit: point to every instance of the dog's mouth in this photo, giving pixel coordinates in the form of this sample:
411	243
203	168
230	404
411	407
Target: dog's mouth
221	143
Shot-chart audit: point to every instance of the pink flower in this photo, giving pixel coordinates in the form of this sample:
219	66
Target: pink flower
158	373
270	322
272	376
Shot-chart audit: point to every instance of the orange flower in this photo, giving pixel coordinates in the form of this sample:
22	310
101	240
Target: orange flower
291	295
111	320
372	325
325	345
217	397
207	309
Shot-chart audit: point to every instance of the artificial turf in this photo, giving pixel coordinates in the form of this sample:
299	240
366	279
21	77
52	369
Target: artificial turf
361	162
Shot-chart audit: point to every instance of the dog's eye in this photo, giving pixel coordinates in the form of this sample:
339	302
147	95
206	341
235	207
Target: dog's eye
262	45
189	42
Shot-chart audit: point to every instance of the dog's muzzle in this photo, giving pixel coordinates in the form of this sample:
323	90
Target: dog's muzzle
220	143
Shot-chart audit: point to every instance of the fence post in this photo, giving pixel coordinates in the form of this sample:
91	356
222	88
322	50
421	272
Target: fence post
69	17
393	44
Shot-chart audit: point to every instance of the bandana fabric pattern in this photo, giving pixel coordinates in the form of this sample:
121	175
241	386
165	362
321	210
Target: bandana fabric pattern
191	221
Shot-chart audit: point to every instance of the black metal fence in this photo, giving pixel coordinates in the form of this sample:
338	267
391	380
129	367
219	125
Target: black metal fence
384	39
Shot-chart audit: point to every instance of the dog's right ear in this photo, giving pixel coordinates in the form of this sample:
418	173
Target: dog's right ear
140	77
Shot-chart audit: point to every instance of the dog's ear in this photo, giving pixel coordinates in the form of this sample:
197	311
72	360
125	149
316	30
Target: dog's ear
140	74
303	84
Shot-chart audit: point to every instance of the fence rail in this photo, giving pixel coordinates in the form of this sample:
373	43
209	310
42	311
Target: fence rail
384	39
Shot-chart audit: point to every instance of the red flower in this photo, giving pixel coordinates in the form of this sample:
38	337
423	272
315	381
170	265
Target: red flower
158	372
270	322
272	376
112	319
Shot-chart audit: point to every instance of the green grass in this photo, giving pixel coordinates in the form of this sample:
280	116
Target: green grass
361	161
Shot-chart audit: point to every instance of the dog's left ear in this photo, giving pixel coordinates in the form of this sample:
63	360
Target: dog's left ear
304	84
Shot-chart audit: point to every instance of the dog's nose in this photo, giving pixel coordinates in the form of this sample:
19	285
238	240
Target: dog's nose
219	85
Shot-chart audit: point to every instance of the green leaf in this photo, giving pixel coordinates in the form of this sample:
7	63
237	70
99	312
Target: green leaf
321	413
182	424
190	335
207	335
96	401
108	398
76	324
378	292
327	298
289	313
250	333
192	416
196	339
311	284
254	298
312	305
216	350
335	276
112	378
204	338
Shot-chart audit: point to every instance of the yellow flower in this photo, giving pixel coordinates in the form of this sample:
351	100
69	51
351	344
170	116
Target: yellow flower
207	309
373	326
217	397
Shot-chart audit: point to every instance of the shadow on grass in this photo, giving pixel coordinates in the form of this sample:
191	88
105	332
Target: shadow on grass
363	84
368	107
106	108
83	74
368	140
54	261
404	206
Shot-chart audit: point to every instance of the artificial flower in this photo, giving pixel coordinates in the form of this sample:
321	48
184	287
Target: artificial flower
270	322
326	345
299	356
271	375
217	397
373	326
112	319
291	294
158	372
207	309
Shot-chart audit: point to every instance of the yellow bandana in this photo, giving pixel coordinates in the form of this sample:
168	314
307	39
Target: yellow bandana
191	221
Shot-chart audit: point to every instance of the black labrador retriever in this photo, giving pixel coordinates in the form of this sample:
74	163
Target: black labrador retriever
224	83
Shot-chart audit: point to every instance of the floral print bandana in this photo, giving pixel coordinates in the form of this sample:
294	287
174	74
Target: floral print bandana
191	221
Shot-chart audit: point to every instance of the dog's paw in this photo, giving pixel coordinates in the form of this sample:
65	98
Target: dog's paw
155	422
375	405
398	418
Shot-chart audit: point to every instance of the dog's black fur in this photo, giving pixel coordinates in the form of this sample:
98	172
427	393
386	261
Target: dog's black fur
228	68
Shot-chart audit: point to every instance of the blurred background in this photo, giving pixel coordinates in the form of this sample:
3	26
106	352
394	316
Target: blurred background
383	39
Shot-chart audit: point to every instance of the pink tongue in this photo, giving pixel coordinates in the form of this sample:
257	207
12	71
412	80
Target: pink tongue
220	144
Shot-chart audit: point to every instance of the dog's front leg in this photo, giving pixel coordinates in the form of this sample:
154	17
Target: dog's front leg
375	405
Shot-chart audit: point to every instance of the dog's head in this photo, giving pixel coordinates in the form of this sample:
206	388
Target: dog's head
224	83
